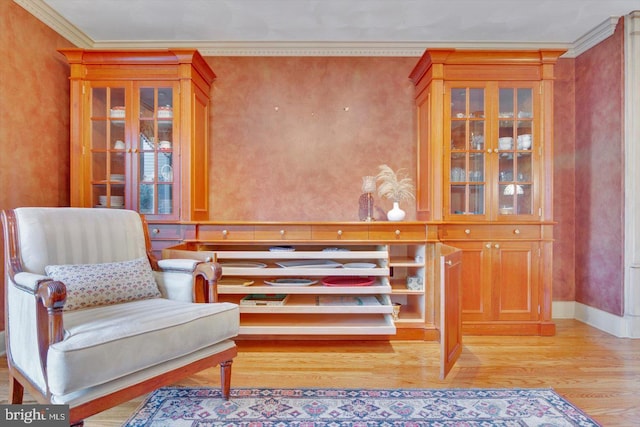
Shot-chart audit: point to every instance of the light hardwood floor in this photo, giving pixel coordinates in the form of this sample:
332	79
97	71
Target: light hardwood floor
597	372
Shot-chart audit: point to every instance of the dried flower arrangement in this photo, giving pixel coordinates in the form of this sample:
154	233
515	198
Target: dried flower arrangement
393	185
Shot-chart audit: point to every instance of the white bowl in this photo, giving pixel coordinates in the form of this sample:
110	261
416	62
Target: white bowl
524	141
115	200
505	143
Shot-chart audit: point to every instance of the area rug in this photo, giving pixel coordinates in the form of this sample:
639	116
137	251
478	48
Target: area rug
204	407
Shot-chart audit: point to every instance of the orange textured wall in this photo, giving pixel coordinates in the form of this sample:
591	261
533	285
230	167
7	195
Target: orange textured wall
34	127
600	175
292	137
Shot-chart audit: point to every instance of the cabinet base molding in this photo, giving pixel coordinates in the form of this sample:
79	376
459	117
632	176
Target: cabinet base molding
509	328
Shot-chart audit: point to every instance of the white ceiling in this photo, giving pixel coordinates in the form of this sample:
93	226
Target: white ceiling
208	24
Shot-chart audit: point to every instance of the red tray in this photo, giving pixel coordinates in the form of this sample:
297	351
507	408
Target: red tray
348	281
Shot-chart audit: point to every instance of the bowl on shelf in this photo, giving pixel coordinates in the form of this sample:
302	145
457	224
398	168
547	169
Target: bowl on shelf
524	141
506	211
165	112
118	112
114	200
505	143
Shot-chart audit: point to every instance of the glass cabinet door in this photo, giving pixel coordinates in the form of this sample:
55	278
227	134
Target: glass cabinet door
131	148
489	147
155	140
515	160
107	147
466	152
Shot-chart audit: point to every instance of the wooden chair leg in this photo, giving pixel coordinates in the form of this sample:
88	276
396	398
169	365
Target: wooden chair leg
16	391
225	378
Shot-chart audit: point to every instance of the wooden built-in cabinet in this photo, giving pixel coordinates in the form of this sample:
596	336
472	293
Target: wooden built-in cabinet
485	152
139	130
402	260
257	256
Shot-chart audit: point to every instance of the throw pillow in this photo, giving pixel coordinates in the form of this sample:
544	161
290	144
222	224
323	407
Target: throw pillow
90	285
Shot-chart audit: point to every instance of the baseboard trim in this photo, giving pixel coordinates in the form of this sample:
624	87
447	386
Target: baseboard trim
621	327
3	347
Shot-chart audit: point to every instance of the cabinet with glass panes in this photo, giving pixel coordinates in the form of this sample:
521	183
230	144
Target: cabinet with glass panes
485	145
138	122
491	156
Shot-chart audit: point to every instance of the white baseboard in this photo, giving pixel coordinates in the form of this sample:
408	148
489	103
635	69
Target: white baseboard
622	327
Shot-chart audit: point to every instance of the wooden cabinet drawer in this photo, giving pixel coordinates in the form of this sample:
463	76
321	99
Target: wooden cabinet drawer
171	231
282	232
489	232
339	232
390	232
516	231
225	232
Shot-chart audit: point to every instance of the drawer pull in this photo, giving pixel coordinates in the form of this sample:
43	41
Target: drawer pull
516	231
467	231
339	232
225	233
449	262
497	246
397	232
282	232
488	245
156	231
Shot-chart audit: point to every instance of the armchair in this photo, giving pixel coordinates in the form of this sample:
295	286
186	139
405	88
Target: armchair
93	320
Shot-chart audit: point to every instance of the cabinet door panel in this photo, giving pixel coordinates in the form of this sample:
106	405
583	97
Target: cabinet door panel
450	312
476	280
515	281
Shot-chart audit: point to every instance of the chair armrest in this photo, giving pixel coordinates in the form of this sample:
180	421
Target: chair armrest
202	278
179	265
28	281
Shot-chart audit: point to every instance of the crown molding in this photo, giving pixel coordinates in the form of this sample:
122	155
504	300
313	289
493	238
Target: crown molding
593	37
56	22
399	49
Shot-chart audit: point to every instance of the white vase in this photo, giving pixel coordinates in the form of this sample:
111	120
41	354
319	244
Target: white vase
395	214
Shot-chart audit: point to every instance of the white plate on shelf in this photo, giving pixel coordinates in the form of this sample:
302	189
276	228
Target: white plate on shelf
359	265
289	281
309	263
282	249
243	264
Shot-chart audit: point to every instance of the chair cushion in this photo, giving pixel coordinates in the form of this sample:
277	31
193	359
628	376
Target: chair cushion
90	285
109	342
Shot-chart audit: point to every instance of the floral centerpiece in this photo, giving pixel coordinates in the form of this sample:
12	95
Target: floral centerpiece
396	187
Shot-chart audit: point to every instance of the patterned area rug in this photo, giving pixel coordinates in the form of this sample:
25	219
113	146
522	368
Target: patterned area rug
178	407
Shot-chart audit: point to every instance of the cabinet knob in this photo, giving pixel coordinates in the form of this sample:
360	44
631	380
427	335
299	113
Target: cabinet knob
339	232
449	262
489	150
467	231
497	246
488	246
282	232
225	233
516	231
156	231
397	232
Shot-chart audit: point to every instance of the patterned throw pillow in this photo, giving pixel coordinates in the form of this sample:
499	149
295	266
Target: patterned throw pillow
90	285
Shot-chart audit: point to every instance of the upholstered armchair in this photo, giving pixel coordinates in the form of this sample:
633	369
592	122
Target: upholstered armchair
93	320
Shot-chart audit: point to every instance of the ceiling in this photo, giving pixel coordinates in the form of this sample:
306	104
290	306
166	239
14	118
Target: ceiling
276	26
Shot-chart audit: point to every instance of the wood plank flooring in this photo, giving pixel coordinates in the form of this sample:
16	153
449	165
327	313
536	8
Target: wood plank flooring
597	372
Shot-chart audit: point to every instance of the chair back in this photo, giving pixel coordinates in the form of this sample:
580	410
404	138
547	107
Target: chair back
53	236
